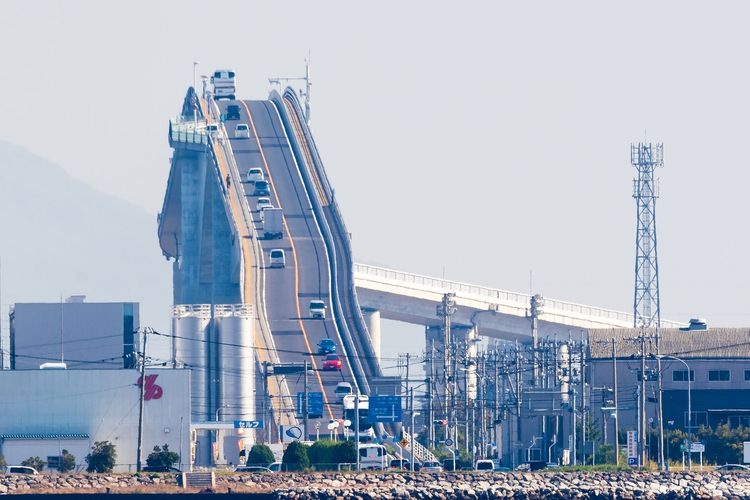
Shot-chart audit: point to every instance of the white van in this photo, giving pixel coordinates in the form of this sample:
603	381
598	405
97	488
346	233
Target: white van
342	389
277	258
373	456
21	469
241	131
317	309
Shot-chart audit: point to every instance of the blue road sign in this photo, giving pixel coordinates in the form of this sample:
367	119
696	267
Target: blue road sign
314	404
384	409
248	424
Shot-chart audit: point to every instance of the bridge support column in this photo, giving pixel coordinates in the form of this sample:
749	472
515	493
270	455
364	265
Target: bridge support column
372	316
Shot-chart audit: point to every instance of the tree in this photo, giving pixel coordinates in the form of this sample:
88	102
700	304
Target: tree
260	454
295	456
162	457
34	462
68	462
3	463
102	457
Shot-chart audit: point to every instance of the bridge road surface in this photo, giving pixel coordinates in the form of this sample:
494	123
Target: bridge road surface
288	291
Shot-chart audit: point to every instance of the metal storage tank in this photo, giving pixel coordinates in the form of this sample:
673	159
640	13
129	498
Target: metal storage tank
236	361
190	330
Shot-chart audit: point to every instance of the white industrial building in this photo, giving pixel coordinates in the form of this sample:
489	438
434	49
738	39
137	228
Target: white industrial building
46	411
86	335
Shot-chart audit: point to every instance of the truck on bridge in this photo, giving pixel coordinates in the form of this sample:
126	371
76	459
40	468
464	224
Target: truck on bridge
272	223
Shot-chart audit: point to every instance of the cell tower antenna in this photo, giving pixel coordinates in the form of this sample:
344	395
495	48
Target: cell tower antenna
646	157
303	93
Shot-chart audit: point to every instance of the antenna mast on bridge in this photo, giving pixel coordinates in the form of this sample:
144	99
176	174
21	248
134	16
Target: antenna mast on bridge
308	84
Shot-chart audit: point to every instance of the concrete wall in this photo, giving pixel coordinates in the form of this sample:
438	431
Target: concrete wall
102	404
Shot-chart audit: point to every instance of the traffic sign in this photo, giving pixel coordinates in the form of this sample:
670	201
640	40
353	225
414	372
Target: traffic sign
314	404
633	462
404	443
384	409
248	424
449	442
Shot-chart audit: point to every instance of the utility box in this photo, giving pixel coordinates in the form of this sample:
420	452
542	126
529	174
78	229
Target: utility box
746	452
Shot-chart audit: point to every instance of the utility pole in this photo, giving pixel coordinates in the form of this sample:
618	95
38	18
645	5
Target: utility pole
537	301
518	394
642	415
583	401
445	310
305	406
356	428
617	416
413	435
146	331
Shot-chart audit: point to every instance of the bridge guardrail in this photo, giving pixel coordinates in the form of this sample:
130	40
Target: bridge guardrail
514	298
355	362
285	402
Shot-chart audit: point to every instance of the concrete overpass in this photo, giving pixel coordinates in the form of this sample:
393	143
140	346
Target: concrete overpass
501	314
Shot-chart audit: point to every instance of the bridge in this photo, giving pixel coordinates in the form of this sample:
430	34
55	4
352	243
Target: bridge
211	228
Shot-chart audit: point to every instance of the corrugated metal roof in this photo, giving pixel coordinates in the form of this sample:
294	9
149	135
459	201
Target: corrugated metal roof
719	343
45	436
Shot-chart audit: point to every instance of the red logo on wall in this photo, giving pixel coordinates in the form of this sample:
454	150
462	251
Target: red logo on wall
151	391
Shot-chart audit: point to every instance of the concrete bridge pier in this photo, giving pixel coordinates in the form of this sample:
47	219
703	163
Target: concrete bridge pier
372	316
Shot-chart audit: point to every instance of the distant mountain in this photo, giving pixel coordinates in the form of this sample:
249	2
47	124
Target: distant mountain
60	237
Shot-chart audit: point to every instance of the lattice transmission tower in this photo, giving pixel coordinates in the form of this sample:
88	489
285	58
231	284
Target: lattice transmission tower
645	157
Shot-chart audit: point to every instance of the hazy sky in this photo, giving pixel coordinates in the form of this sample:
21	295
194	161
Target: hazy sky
481	140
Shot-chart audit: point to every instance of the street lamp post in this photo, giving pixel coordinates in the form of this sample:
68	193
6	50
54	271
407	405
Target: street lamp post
689	408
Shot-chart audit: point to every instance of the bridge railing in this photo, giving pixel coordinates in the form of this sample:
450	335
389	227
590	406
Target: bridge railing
494	294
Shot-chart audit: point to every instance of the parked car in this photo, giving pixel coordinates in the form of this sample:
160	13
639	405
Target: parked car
261	188
276	467
332	362
484	465
241	131
730	467
21	469
342	389
255	174
431	466
404	464
254	469
326	346
159	468
233	112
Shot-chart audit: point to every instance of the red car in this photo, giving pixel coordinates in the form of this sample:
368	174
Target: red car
332	362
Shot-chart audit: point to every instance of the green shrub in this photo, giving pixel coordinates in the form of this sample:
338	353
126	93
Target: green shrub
162	457
102	457
34	462
295	457
68	462
260	454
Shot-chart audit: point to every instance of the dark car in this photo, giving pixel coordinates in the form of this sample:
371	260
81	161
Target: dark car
254	469
159	468
233	112
404	464
326	346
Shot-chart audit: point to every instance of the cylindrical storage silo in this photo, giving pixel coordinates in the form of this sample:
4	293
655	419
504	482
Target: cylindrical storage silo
190	324
234	324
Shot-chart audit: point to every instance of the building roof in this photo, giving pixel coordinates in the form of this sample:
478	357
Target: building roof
712	343
45	436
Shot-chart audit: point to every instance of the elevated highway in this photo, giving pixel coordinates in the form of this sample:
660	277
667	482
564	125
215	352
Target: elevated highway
496	313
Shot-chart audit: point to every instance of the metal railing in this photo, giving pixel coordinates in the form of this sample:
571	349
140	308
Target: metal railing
551	306
419	450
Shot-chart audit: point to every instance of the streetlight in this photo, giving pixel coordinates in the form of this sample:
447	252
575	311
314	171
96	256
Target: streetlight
690	410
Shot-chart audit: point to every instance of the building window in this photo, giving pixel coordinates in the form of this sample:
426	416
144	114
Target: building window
682	376
718	375
747	374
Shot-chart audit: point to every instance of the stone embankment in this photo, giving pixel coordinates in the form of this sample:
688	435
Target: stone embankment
553	485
